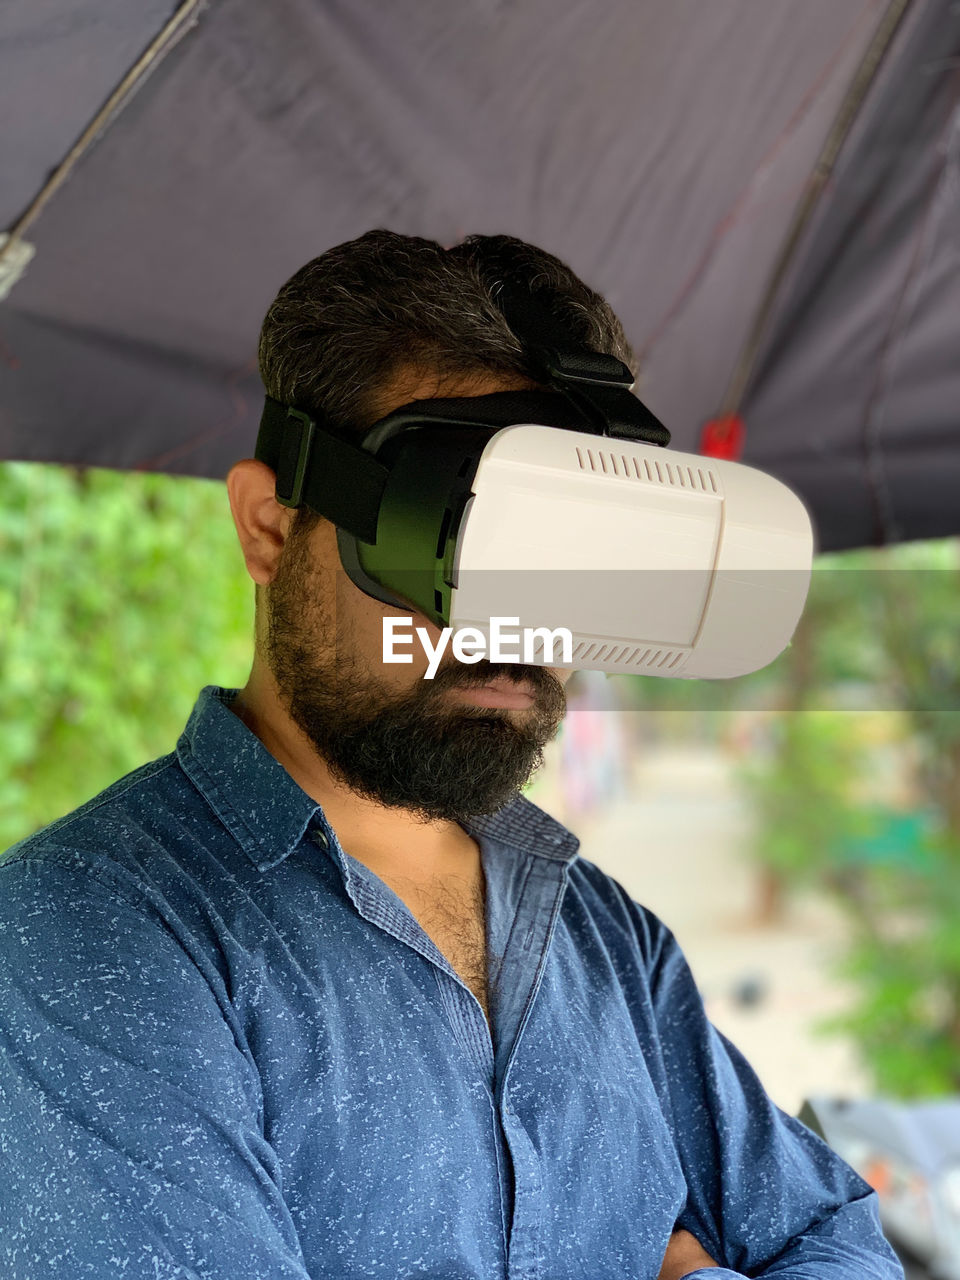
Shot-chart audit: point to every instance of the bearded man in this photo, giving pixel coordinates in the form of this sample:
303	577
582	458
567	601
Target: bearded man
319	993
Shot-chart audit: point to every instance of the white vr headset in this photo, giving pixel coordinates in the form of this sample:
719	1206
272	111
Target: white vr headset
557	509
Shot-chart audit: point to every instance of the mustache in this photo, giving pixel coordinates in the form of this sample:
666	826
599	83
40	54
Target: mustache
477	674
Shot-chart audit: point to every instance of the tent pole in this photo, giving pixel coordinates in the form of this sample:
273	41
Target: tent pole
182	20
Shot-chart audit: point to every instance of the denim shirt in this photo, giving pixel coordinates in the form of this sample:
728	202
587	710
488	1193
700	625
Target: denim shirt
231	1052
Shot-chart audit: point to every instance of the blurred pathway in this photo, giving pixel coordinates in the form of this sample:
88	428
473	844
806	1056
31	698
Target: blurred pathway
675	844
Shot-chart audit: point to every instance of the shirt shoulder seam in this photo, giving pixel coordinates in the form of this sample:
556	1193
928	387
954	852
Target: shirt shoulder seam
143	774
111	876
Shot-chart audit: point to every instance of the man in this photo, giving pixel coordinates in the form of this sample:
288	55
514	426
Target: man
319	994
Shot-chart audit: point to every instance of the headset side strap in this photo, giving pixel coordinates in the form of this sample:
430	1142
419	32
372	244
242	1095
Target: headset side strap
334	477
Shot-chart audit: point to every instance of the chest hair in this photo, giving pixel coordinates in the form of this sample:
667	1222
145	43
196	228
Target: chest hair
452	912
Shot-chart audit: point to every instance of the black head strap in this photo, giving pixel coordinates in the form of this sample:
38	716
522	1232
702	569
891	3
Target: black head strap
342	480
598	384
495	410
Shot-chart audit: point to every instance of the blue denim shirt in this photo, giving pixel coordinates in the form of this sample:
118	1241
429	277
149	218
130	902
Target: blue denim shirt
230	1052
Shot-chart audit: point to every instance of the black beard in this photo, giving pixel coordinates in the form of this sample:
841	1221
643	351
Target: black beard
416	751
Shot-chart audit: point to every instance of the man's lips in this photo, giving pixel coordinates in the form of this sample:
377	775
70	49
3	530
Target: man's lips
499	692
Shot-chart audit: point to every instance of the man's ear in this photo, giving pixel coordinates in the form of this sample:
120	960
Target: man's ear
262	522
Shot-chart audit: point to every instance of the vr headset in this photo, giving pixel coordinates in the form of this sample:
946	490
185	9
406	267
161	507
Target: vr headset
559	508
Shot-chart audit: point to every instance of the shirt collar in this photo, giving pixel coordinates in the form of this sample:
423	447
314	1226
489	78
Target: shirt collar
527	828
251	792
268	813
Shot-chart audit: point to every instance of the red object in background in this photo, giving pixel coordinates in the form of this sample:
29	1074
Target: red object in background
879	1175
723	437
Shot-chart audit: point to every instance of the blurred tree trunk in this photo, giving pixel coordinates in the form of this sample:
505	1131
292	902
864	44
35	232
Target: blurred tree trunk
771	885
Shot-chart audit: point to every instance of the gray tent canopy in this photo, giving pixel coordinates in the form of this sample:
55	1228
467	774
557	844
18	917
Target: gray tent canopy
766	191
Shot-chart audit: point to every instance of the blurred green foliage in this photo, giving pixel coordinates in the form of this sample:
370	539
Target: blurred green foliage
904	959
121	595
801	793
873	668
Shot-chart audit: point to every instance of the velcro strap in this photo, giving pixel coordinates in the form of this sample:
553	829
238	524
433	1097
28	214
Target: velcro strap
598	384
314	465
